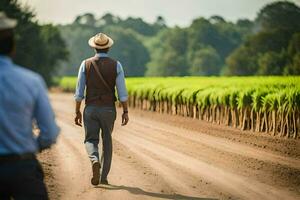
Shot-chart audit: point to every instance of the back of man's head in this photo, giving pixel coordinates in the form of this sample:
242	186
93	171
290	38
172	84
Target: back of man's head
102	50
7	42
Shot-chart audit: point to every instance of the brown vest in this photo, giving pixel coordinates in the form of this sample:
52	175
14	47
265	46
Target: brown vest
96	92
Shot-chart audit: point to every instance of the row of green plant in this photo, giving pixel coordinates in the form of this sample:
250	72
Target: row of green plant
260	104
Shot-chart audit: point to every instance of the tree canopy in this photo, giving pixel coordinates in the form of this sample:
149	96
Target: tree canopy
268	45
39	47
155	49
209	46
274	49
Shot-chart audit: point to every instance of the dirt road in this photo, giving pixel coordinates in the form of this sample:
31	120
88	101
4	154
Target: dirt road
169	157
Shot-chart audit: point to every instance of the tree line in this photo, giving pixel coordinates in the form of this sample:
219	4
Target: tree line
267	45
38	47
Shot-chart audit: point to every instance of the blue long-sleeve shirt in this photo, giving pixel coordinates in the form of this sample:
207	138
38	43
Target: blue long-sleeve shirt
23	99
120	81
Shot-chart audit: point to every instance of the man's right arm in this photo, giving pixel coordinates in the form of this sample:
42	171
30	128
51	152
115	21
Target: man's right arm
44	117
79	94
81	81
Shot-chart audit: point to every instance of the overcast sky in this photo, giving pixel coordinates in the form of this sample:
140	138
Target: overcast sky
176	12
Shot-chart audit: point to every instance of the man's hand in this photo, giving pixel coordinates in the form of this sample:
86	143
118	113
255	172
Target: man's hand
125	119
78	119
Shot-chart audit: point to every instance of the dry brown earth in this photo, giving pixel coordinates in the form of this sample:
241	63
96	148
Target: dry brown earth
159	156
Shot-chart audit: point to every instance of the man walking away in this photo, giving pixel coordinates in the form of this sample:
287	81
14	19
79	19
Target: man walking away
100	75
23	98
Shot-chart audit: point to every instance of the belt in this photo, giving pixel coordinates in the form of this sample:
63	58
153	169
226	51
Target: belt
16	157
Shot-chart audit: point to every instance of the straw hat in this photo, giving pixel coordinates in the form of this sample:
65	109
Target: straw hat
6	23
101	41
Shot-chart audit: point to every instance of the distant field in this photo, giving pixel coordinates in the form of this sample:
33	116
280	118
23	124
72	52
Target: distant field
260	104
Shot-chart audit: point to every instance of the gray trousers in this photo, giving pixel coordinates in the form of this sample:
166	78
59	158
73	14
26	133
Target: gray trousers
99	120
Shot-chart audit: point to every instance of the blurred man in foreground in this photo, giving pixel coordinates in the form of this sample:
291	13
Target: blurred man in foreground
23	99
100	75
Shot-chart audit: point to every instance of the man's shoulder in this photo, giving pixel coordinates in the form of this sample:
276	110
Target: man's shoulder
112	59
27	74
94	58
90	59
87	62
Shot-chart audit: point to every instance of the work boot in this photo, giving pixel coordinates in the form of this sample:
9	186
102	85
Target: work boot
96	173
104	181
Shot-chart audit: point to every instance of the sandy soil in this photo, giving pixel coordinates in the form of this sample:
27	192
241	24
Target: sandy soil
169	157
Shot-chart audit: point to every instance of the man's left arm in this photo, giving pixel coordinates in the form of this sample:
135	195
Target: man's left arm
122	92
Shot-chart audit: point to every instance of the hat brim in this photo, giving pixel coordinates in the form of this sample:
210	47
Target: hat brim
96	46
8	24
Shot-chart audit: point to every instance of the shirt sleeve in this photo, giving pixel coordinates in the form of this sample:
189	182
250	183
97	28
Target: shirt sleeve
81	81
120	84
44	116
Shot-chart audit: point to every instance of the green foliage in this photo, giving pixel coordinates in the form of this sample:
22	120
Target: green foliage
243	61
221	35
155	49
209	46
129	36
294	67
279	15
168	57
293	54
272	50
257	96
87	19
76	38
294	44
39	48
205	61
244	98
196	50
271	63
258	93
141	27
129	51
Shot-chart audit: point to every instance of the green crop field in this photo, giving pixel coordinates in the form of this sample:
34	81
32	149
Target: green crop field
260	104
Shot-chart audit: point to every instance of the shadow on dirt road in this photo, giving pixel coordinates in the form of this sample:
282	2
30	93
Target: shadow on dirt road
139	191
